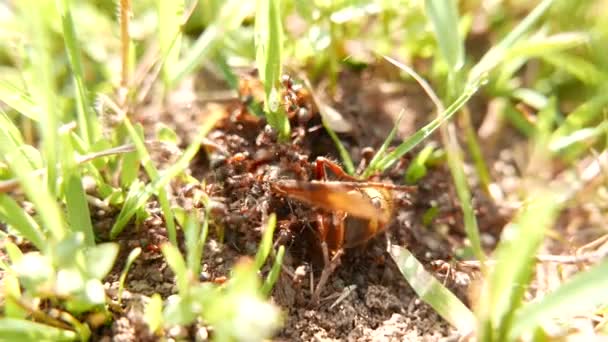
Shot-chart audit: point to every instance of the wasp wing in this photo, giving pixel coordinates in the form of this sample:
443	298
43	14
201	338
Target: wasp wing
331	196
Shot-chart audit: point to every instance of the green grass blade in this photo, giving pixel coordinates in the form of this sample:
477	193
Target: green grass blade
21	330
47	208
78	214
430	290
39	80
163	197
515	257
342	151
178	266
382	150
19	100
344	154
170	15
266	243
269	46
231	16
123	275
444	17
417	168
583	293
456	165
584	114
274	273
88	124
196	235
428	129
12	214
497	53
181	164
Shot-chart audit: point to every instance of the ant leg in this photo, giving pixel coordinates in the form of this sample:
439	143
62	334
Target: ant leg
320	164
328	269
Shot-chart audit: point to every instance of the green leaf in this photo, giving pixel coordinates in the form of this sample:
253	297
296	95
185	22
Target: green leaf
100	259
34	270
79	216
582	293
417	168
153	314
13	329
515	257
430	290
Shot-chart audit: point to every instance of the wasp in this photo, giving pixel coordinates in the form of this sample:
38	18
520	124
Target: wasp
350	212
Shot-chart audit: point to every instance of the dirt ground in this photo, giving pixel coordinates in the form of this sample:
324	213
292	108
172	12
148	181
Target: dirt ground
366	298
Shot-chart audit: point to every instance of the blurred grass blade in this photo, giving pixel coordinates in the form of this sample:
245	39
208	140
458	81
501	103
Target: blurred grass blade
515	256
153	313
584	114
178	266
47	208
170	13
585	291
77	206
123	275
78	214
266	243
21	330
269	46
196	235
497	53
11	130
231	16
12	214
11	291
19	100
430	290
146	161
88	124
540	45
444	17
39	80
417	168
274	273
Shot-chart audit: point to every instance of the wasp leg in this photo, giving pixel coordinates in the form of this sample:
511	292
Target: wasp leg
328	269
322	162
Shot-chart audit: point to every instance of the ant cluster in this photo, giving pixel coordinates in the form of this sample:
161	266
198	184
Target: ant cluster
262	175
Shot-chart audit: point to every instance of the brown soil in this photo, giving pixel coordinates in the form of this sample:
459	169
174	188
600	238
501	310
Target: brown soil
366	298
